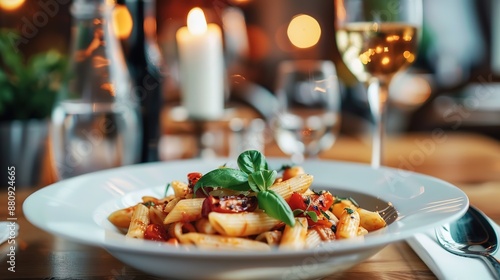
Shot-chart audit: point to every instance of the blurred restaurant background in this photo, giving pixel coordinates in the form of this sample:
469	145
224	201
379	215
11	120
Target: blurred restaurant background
454	83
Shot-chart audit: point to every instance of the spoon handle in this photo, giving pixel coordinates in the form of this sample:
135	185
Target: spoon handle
493	264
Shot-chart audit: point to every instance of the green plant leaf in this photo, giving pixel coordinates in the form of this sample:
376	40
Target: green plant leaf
252	176
312	215
28	90
252	161
297	212
262	180
229	178
276	207
11	56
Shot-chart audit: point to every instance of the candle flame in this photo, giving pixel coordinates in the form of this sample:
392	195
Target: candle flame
10	5
196	22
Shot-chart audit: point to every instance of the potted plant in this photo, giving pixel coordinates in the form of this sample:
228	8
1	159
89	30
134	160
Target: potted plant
28	90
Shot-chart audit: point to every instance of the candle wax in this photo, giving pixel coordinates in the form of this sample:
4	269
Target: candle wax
201	65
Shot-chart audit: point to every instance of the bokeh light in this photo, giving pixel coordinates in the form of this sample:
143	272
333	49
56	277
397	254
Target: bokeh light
122	21
304	31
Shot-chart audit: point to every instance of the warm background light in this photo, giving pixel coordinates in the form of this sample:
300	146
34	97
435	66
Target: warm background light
196	22
304	31
239	2
11	5
122	21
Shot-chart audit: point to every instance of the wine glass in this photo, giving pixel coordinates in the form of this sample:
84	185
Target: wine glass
308	119
377	39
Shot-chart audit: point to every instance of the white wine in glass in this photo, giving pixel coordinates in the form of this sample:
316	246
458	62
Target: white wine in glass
377	39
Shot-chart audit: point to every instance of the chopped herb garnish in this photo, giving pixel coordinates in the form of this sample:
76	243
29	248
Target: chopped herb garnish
353	201
311	214
339	199
325	214
318	192
167	187
149	204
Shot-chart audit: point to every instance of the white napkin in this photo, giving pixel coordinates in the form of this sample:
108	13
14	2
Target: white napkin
446	265
7	230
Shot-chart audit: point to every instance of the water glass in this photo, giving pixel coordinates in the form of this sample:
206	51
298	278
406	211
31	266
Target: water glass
308	118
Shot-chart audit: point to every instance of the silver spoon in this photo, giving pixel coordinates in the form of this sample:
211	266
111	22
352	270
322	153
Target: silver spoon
471	236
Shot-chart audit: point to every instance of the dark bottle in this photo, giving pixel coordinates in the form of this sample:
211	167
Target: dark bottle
145	64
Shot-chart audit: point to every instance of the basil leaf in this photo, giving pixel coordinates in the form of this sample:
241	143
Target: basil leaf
252	161
312	215
275	206
228	178
253	182
297	212
262	180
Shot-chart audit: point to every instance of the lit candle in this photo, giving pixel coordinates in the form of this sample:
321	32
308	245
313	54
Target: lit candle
201	66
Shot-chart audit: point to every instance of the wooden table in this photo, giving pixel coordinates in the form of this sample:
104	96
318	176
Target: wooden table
472	162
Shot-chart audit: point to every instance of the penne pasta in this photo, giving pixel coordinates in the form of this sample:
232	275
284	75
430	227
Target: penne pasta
362	231
178	229
348	224
121	218
186	210
241	224
270	237
181	189
339	206
313	238
299	183
331	217
370	220
170	205
295	237
325	233
139	221
156	216
204	226
218	242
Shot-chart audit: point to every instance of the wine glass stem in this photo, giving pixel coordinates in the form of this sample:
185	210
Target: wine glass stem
377	98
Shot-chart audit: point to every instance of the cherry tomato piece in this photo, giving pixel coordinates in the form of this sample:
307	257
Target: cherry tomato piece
322	201
193	178
155	232
312	202
292	171
228	204
297	202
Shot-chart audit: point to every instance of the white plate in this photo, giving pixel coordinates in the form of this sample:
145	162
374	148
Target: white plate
78	208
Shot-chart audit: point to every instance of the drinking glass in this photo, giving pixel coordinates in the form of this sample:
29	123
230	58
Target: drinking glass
96	121
377	39
308	119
